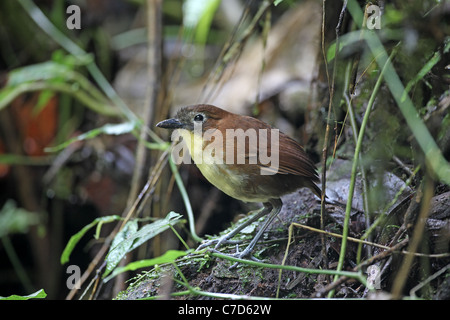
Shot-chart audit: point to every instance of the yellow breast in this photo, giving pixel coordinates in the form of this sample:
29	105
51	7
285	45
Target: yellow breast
215	172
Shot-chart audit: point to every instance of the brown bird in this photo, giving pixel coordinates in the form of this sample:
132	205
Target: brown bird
245	158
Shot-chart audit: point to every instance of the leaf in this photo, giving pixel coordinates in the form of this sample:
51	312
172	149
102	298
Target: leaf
347	39
353	41
62	70
120	246
422	73
76	237
111	129
40	72
133	241
197	17
40	294
53	77
16	159
168	257
44	98
15	220
204	24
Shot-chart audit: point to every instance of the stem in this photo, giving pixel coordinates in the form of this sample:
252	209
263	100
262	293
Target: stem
355	166
355	275
400	279
434	158
46	25
186	201
81	95
15	261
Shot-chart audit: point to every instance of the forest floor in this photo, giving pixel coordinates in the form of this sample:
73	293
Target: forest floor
210	275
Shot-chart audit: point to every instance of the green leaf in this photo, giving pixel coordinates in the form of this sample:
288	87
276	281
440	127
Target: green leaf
168	257
50	77
40	294
422	73
16	159
434	157
111	129
204	24
76	237
123	246
120	246
40	72
62	71
198	15
345	40
15	220
44	97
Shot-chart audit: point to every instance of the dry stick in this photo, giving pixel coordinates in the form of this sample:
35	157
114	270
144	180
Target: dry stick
149	107
128	213
351	115
91	266
330	104
412	292
265	34
290	236
367	262
355	163
154	88
233	49
325	143
153	84
380	256
416	238
340	236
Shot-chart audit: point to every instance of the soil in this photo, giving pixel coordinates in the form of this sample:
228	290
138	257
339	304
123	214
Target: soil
209	274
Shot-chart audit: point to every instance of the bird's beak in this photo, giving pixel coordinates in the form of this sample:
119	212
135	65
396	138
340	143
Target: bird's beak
170	124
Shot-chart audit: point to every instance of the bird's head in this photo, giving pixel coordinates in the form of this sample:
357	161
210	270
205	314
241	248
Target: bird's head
202	116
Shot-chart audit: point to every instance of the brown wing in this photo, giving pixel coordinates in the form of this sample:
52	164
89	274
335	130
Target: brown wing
292	159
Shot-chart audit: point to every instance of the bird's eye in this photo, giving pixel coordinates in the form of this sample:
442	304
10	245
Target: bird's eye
198	118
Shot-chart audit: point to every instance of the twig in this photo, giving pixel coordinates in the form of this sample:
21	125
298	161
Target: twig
354	275
416	238
355	164
412	292
233	49
340	236
142	197
434	157
154	72
330	104
187	203
351	115
327	133
365	263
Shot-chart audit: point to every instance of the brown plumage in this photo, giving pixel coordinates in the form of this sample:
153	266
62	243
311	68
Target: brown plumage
254	180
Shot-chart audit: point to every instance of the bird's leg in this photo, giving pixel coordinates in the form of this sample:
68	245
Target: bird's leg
226	238
276	207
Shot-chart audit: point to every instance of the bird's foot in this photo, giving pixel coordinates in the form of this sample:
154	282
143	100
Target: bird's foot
238	254
243	254
218	242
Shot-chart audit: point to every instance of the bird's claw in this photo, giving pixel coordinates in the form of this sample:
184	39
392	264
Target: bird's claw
242	255
238	254
218	242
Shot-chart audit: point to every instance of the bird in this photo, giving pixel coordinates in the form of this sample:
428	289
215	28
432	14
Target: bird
245	158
